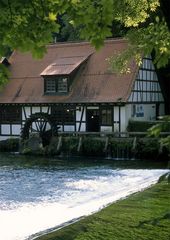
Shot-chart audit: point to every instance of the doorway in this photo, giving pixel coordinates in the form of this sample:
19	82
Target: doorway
92	120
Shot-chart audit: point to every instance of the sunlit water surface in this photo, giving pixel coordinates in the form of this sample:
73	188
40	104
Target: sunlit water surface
41	194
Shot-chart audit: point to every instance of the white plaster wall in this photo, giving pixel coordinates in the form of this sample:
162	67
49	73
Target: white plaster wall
106	129
35	110
116	119
45	110
146	96
69	128
5	129
27	111
116	113
79	113
133	97
149	113
146	85
82	128
16	129
123	119
116	127
128	114
161	109
161	97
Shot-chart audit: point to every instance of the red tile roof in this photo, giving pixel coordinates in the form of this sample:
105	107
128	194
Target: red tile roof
93	83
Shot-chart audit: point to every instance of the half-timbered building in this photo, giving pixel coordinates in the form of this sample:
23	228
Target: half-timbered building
72	89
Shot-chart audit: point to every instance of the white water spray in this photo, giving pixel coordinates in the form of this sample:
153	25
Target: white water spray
83	194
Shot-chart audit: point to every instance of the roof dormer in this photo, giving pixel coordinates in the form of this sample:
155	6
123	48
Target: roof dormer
59	75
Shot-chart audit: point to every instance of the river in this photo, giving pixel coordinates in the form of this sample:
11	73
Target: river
39	194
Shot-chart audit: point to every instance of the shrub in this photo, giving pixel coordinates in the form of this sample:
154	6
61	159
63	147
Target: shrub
139	126
121	148
70	145
9	145
147	148
93	147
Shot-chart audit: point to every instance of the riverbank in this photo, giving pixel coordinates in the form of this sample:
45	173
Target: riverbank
134	145
145	215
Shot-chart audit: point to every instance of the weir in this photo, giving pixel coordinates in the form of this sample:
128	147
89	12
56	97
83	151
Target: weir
121	149
122	145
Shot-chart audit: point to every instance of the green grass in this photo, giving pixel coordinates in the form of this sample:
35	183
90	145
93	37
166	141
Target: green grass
142	216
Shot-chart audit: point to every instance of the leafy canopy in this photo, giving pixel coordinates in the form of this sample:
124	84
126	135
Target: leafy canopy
28	26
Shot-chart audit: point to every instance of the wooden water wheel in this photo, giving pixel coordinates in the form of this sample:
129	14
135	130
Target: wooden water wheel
41	124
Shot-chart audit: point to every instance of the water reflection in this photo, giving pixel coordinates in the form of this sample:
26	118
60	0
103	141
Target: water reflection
57	162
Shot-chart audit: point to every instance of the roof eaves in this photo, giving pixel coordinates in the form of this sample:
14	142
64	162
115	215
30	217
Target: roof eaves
127	95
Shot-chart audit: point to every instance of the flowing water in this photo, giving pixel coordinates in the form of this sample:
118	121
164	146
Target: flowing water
40	194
